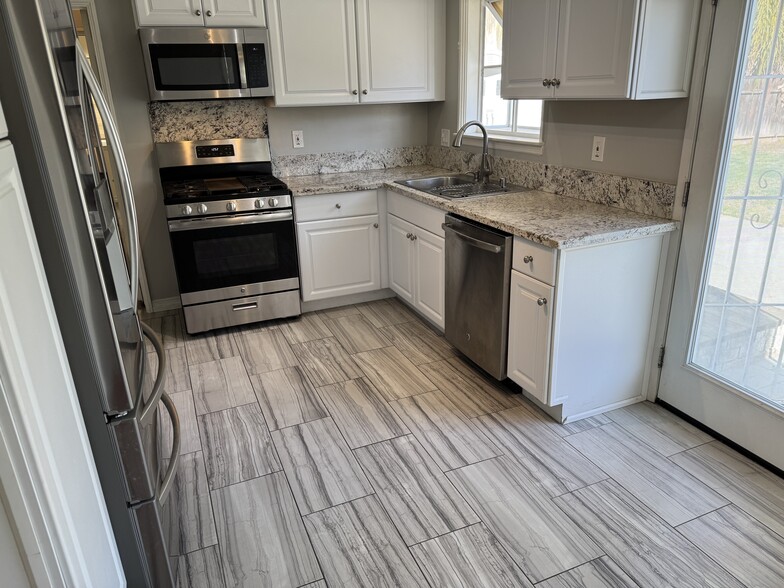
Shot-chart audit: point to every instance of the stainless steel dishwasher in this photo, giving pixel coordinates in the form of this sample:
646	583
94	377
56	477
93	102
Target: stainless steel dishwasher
478	269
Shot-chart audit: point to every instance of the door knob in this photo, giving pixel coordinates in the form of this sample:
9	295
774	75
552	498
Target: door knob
556	82
209	13
198	12
528	259
355	92
413	237
547	83
408	235
542	301
375	225
365	92
337	205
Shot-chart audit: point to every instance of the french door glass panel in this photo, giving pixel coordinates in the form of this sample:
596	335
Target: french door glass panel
739	330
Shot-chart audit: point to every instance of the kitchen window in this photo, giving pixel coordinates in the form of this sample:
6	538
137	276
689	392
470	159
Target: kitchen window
516	123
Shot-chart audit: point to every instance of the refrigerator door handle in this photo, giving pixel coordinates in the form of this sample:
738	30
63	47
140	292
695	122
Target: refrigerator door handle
148	410
168	478
113	137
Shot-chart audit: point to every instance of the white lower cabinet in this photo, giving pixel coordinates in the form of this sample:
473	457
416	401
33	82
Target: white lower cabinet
530	334
339	257
416	267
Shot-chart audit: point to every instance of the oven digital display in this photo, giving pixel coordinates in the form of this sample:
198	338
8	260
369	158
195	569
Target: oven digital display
215	151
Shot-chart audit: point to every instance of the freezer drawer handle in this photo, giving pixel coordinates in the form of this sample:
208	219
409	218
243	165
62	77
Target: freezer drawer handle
484	246
246	306
157	388
168	478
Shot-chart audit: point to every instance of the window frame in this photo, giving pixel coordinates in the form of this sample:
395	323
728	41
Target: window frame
471	86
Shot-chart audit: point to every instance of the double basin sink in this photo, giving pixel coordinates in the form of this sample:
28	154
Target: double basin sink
454	186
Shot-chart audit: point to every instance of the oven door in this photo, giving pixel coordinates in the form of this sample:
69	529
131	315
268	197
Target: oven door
227	257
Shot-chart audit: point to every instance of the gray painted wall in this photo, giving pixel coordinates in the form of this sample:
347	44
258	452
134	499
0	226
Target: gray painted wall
644	138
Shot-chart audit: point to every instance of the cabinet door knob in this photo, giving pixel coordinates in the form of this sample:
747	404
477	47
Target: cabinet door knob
337	205
556	82
198	12
364	92
208	13
413	237
546	83
408	235
528	259
355	92
542	301
375	225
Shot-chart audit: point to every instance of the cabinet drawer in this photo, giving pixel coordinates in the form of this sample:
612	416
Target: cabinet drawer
331	206
535	260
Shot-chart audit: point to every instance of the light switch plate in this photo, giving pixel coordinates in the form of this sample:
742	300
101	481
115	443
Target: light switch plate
297	139
446	137
597	153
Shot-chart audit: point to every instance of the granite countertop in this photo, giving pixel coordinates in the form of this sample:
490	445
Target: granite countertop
555	221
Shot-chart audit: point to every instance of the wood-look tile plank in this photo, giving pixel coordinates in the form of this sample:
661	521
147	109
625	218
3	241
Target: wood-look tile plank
468	557
450	438
201	569
192	526
261	535
356	334
659	428
538	536
169	329
574	427
527	438
319	465
667	489
599	573
648	550
189	428
176	378
745	547
221	384
418	342
384	313
319	584
326	362
307	327
211	346
418	497
756	490
237	445
338	312
357	545
287	398
361	413
264	350
392	373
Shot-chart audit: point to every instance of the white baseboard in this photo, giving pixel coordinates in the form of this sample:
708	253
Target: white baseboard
347	300
164	304
602	409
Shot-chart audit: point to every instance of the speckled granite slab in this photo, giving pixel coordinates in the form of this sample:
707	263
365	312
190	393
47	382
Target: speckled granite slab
348	161
555	221
208	119
355	181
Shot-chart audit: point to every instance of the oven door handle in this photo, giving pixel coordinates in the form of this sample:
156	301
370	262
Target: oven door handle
229	221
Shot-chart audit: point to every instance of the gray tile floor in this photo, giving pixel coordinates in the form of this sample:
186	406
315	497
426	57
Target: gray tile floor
353	447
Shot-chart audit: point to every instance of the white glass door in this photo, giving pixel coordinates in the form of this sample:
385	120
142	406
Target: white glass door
727	325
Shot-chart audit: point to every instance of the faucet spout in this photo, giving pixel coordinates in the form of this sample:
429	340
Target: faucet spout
485	171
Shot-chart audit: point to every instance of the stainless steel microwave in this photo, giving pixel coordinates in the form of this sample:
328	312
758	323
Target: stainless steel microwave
201	63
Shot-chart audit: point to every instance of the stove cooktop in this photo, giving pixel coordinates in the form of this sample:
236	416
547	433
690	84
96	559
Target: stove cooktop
230	188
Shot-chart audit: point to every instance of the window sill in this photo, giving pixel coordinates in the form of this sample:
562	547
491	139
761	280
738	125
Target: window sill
516	145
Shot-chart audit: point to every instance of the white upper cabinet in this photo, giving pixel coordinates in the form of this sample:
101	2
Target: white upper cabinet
314	51
598	49
357	51
197	13
401	50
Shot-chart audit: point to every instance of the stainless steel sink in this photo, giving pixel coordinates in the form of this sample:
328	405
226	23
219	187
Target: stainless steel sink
454	186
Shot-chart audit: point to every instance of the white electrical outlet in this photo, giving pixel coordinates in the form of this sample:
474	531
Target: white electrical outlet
446	137
597	153
298	139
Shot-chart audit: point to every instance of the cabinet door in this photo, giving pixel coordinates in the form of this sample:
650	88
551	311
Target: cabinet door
401	50
595	48
430	275
234	13
314	51
401	257
529	48
530	332
169	13
339	257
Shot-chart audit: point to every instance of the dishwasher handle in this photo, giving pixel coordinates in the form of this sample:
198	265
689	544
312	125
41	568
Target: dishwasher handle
478	243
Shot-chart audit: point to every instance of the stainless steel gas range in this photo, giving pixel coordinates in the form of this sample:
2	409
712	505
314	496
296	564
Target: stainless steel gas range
232	233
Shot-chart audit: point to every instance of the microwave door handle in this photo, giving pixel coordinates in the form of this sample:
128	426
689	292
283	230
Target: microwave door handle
113	137
174	458
148	410
241	66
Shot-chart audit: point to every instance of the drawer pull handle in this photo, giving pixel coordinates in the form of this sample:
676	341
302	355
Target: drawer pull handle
528	259
246	306
337	205
542	301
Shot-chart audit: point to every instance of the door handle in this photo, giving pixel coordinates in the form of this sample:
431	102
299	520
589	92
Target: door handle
157	387
174	458
478	243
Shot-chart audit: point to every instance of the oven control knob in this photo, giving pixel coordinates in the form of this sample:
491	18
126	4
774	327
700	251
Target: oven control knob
259	203
273	201
186	210
231	206
202	208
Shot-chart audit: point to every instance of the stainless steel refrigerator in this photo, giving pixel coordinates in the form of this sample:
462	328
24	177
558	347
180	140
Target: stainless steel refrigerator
52	101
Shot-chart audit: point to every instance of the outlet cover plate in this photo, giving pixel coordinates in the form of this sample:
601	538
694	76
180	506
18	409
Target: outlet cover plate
297	139
597	153
446	137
